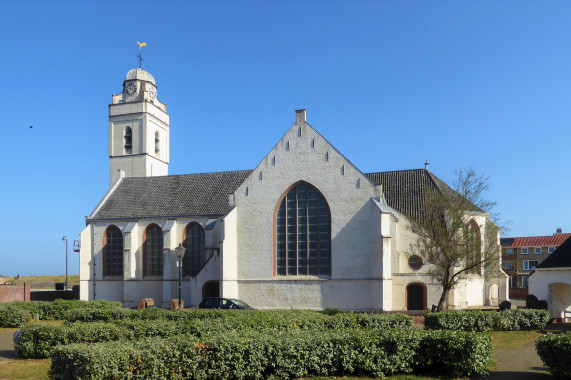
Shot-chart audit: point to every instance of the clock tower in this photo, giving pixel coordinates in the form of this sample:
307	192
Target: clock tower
138	129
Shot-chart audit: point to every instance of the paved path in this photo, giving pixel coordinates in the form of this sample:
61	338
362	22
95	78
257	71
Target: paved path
7	344
518	363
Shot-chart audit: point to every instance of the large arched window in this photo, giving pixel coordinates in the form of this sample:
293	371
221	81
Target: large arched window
112	252
474	247
194	256
153	251
303	233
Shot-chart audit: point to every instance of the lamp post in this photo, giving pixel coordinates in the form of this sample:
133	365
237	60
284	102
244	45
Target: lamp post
65	238
180	250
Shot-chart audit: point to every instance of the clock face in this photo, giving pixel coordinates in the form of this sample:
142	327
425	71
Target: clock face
131	88
152	94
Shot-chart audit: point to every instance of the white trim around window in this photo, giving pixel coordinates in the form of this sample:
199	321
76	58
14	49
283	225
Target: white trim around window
537	250
550	249
530	264
524	251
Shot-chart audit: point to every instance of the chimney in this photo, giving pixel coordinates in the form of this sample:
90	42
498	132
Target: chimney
300	116
559	231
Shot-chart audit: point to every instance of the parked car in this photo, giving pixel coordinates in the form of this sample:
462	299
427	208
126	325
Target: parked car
223	303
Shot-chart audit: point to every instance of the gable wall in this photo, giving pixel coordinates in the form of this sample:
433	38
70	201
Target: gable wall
355	227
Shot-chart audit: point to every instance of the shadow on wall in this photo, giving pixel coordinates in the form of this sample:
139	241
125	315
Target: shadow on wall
356	255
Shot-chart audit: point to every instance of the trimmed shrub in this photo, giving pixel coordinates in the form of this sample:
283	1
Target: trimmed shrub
13	316
555	351
521	319
506	320
454	354
471	320
531	301
38	340
505	305
55	310
285	354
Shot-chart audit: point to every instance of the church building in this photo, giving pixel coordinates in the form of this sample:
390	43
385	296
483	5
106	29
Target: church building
303	229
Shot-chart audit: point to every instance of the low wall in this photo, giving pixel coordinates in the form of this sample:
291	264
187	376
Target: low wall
52	295
11	293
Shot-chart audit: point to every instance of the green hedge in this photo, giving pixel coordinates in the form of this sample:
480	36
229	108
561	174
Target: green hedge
555	351
284	354
37	340
476	320
14	314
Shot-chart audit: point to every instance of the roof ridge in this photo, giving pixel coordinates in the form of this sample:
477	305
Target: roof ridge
536	236
190	174
395	171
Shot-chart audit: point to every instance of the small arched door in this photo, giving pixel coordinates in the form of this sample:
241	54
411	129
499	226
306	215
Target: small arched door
415	297
211	289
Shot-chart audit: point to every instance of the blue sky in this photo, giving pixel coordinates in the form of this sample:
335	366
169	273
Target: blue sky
391	84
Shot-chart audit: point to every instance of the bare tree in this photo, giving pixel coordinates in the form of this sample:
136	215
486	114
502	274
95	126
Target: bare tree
449	238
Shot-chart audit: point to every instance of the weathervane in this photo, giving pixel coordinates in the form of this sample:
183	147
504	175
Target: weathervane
140	56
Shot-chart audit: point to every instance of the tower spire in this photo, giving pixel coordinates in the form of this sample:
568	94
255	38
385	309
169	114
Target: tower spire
140	56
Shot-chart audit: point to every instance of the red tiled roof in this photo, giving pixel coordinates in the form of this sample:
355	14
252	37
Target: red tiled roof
539	241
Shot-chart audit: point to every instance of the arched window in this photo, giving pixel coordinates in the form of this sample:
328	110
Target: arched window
303	233
194	256
157	142
112	252
128	139
153	251
473	245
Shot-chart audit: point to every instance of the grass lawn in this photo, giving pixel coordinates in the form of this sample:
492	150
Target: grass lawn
24	369
45	282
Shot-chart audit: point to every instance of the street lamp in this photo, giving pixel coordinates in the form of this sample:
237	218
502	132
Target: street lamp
65	238
180	251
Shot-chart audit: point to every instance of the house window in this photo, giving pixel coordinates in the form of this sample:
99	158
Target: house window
537	250
525	282
128	137
510	251
530	264
112	252
473	247
194	256
153	251
303	233
550	249
512	282
524	251
508	265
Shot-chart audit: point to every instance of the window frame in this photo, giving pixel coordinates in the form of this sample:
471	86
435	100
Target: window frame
526	250
509	251
113	265
535	251
551	249
508	265
281	255
155	272
188	260
527	266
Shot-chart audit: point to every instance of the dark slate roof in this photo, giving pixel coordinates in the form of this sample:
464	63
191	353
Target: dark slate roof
404	189
175	195
560	258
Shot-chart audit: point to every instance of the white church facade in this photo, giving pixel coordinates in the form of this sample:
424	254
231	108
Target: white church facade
304	229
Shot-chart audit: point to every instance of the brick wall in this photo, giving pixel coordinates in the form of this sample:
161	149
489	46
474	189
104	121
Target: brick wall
11	293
